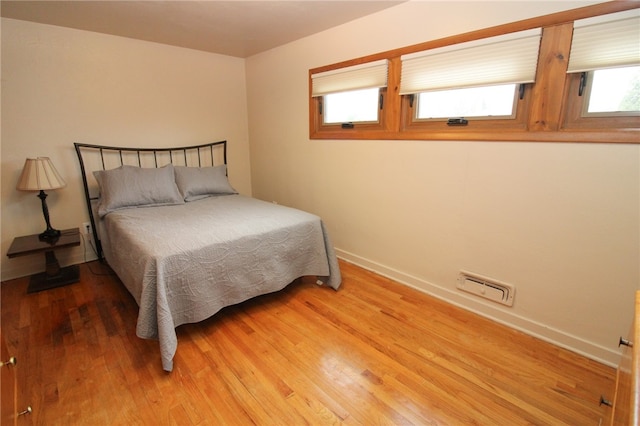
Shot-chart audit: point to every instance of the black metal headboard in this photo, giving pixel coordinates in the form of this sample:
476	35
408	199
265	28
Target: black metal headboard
102	157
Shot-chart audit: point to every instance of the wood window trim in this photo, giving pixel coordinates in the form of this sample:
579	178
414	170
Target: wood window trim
516	124
547	113
358	126
574	120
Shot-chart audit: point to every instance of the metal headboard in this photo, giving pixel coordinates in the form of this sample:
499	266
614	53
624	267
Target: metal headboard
102	157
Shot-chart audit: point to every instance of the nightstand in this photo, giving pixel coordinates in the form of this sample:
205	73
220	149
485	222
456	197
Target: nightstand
54	275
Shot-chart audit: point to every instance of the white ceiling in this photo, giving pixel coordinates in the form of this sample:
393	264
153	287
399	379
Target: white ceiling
236	28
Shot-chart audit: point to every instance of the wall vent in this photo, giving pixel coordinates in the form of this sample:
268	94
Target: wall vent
487	288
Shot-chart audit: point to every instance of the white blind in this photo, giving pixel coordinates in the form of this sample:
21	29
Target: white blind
362	76
504	59
605	41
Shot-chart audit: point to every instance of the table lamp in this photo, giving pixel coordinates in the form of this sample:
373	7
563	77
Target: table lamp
39	174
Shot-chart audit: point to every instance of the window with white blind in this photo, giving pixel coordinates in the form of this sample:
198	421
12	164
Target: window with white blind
604	71
479	79
350	95
566	77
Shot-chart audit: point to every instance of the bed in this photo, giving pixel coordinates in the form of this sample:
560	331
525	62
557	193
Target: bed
186	244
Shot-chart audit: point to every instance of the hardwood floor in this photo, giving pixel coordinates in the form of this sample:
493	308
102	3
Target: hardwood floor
374	352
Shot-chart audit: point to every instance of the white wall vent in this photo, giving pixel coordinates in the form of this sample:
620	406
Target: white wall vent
487	287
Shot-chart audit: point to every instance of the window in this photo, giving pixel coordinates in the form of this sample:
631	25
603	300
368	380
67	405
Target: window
458	85
353	106
477	102
349	97
564	77
604	72
613	91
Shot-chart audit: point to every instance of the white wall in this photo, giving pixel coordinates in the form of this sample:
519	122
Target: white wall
560	221
61	86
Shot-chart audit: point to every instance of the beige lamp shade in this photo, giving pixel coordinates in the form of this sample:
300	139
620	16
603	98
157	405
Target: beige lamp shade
39	174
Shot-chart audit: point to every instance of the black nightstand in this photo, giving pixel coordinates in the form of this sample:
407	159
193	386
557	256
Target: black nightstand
54	275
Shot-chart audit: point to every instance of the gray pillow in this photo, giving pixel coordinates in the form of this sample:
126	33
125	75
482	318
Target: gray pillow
129	186
199	182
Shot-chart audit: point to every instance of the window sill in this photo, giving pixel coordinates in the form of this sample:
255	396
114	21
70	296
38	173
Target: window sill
624	136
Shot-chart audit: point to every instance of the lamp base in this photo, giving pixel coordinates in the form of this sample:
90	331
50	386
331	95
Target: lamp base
50	235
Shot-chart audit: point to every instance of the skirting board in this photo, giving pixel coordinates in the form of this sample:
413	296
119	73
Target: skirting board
533	328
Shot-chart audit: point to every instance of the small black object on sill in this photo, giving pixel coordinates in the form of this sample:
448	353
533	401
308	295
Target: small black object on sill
457	122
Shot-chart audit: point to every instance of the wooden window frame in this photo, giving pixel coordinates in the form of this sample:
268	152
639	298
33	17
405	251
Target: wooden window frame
358	125
518	123
573	118
550	110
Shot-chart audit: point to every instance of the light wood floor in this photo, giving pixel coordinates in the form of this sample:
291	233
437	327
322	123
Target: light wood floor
374	352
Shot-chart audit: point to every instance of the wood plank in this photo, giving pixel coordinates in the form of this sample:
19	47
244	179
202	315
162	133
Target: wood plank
548	91
373	352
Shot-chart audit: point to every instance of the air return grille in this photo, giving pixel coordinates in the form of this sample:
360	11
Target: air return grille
487	288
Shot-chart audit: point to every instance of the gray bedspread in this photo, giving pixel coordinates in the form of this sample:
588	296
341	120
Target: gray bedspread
184	263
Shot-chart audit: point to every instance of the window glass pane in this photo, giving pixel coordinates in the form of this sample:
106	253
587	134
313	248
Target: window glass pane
615	90
353	106
488	101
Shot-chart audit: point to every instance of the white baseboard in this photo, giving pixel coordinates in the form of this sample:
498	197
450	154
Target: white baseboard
531	327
